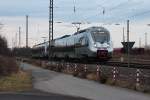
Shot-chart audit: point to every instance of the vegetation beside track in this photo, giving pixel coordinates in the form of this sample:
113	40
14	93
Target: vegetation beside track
12	79
8	64
20	81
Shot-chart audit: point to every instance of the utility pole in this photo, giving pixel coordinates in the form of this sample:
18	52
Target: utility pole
128	22
145	40
27	31
123	35
51	26
128	38
19	37
51	20
13	42
140	44
16	40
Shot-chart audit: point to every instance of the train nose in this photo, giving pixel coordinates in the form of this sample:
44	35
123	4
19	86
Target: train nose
102	53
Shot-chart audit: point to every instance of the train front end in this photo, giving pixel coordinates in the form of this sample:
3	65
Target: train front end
102	54
102	44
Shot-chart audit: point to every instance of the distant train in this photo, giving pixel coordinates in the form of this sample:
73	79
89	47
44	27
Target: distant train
90	43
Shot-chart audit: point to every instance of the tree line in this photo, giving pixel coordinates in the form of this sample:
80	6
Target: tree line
4	50
8	63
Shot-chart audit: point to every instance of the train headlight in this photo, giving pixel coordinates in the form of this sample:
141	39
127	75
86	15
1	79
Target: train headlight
95	45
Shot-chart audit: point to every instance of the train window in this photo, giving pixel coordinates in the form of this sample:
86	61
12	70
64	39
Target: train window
100	37
83	41
82	31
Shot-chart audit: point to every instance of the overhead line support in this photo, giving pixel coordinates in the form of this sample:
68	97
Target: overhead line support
51	25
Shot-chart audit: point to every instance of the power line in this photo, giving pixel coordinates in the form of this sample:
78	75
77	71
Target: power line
111	9
141	13
105	10
145	40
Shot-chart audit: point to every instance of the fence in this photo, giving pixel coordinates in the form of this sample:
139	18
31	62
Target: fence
138	79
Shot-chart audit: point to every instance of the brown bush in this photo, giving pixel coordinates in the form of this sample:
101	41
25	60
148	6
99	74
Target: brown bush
8	66
103	79
4	50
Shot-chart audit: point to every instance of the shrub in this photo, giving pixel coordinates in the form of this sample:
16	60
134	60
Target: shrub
4	50
103	79
8	66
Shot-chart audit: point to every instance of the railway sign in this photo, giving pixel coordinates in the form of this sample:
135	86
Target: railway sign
125	45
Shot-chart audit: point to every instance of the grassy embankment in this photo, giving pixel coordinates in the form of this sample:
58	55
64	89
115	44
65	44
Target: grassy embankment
12	79
20	81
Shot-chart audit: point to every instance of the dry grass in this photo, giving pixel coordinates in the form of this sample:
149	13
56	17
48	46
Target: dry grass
91	76
8	66
16	82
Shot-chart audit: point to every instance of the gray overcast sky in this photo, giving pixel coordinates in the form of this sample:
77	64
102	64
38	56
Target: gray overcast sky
86	10
12	15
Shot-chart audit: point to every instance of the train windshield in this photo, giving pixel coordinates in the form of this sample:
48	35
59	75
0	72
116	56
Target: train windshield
101	37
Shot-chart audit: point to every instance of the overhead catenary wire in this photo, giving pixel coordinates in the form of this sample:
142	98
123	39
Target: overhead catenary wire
120	18
140	14
104	10
108	10
123	8
75	10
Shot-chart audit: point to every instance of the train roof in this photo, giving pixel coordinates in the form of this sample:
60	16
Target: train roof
63	36
97	28
79	32
40	44
92	29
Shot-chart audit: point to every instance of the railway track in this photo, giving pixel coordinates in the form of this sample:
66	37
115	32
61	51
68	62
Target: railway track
135	64
131	64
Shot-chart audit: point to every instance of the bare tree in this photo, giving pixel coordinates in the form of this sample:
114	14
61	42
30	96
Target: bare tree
3	44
